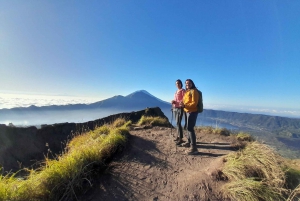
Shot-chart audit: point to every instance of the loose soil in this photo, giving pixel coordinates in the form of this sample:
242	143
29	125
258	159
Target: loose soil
152	167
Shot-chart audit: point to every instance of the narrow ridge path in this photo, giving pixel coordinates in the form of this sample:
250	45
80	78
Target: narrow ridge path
151	167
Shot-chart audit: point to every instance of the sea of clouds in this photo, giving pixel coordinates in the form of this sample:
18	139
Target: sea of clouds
8	101
25	100
14	100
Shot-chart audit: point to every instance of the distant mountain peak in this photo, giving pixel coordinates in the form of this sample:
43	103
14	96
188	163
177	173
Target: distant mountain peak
146	93
117	96
140	91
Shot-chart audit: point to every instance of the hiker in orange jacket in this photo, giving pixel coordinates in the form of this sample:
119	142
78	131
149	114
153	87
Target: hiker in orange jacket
178	110
189	105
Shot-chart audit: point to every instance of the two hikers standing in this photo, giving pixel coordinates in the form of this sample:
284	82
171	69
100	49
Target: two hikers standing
185	103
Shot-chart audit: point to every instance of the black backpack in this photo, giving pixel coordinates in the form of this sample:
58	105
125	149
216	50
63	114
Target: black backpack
200	101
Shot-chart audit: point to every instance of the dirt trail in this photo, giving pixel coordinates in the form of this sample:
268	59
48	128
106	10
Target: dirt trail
153	168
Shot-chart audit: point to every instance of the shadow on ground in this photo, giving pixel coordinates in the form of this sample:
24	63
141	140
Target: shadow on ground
119	181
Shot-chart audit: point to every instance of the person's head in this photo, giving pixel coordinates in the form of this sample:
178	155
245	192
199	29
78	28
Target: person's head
178	84
189	84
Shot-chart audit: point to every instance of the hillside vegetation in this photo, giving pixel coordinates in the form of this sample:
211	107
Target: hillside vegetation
70	172
256	172
282	133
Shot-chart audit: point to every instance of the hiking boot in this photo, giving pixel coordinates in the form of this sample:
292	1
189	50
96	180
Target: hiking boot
186	144
179	142
192	151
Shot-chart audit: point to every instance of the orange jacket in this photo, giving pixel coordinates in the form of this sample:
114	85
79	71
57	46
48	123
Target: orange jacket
190	100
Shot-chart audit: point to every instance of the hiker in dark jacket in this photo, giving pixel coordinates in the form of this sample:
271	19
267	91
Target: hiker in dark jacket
178	110
189	105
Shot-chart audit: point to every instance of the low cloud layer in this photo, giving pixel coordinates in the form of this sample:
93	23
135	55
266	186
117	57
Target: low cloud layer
253	110
13	100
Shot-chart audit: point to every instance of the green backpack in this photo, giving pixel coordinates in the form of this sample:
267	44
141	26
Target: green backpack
200	101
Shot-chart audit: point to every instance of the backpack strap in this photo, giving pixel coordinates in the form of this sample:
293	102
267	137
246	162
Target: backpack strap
194	93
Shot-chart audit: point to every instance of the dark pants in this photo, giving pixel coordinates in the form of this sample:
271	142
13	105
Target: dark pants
178	113
191	122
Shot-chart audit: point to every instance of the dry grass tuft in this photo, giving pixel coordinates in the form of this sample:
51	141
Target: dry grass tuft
254	173
204	129
119	122
222	131
242	136
251	190
153	121
211	130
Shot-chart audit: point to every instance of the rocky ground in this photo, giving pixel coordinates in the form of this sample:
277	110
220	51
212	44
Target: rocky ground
151	167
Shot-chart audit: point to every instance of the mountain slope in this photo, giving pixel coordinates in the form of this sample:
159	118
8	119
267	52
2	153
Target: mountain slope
81	112
137	100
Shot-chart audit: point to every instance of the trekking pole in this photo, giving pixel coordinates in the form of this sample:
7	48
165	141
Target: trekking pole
171	121
171	135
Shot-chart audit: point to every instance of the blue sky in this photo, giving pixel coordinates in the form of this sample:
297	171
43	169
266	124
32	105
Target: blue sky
243	55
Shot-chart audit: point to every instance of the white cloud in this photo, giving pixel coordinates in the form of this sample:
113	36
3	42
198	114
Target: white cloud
277	111
267	111
15	100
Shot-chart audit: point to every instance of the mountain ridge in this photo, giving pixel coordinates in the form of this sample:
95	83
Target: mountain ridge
135	99
142	99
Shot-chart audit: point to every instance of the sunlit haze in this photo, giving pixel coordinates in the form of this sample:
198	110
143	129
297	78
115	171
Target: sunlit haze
243	55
